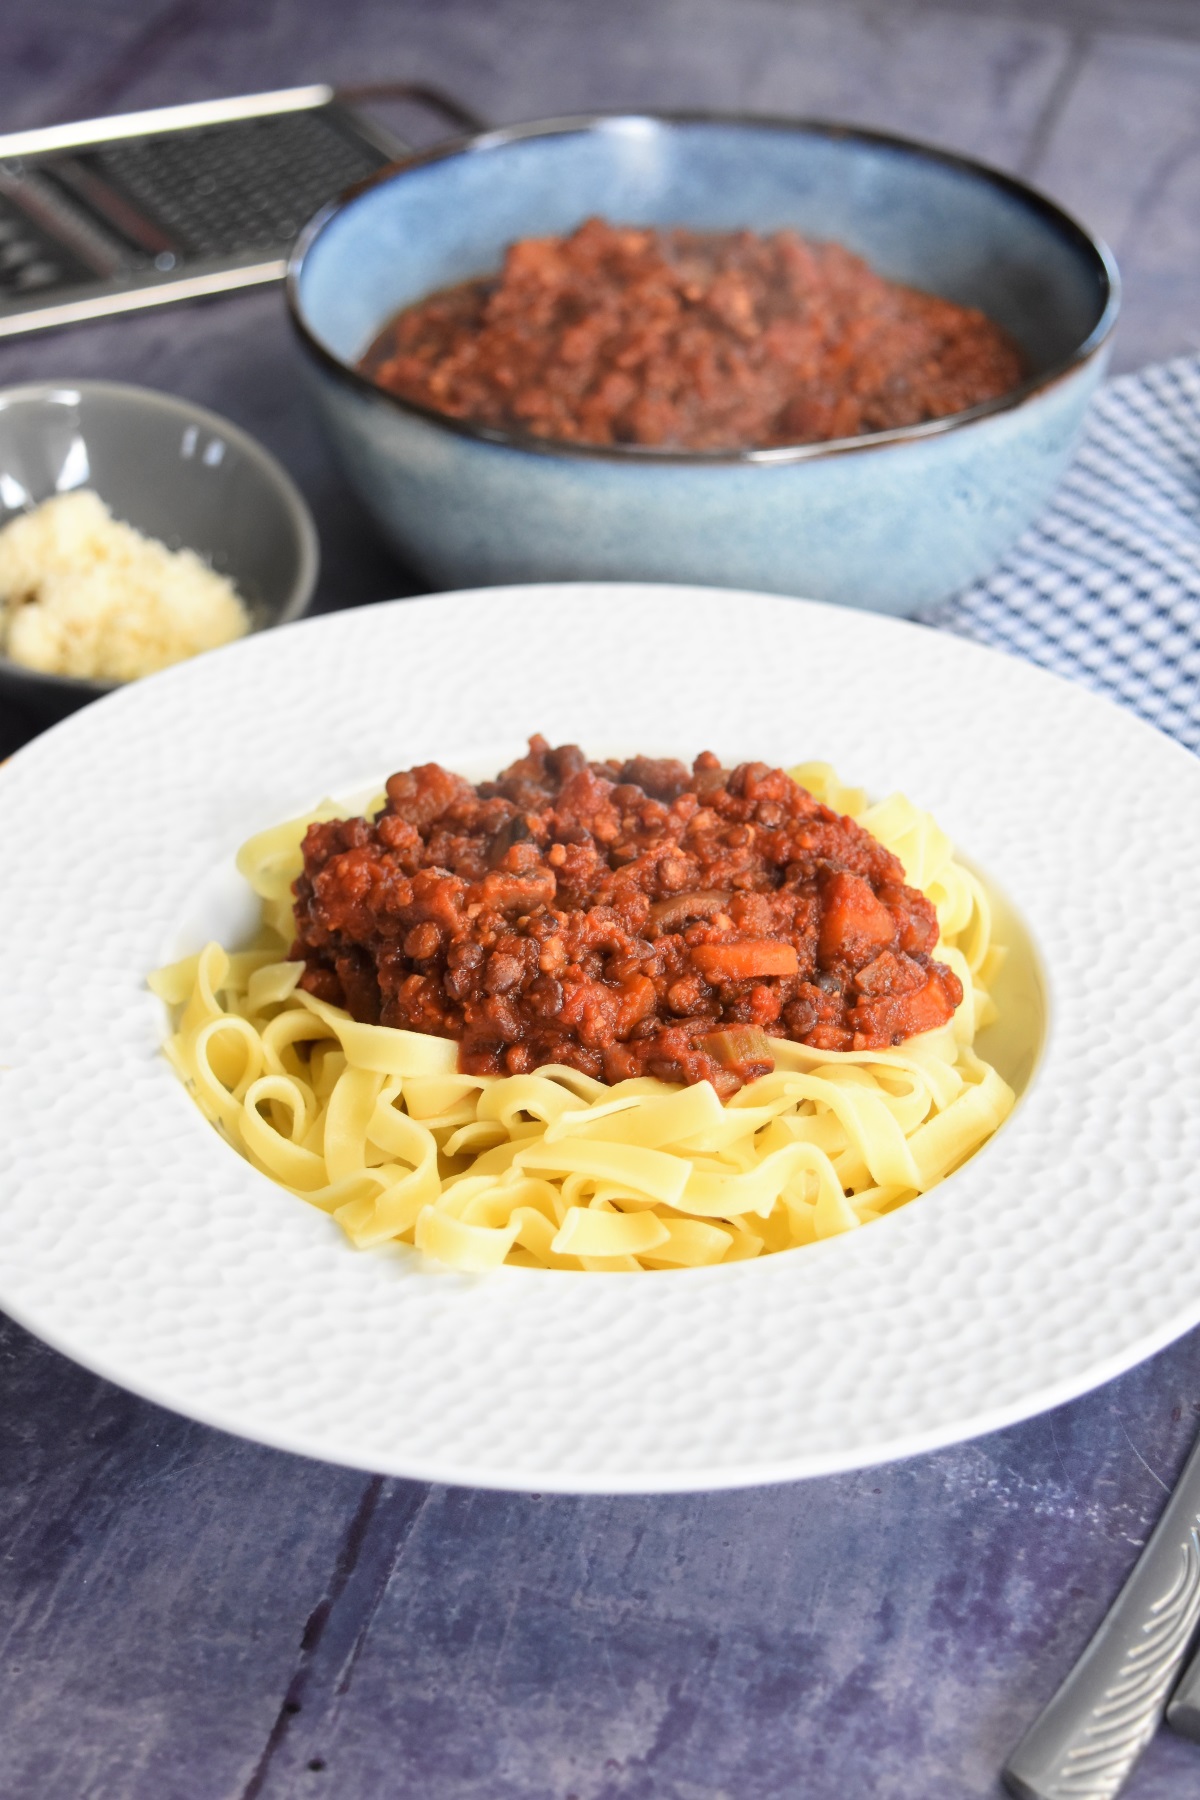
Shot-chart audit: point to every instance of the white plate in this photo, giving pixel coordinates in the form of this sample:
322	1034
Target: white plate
136	1241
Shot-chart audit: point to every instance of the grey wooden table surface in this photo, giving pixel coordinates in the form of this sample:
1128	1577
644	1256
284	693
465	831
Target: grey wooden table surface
186	1615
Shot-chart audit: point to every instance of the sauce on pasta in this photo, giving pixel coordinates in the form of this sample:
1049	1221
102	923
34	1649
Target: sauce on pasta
622	919
378	1127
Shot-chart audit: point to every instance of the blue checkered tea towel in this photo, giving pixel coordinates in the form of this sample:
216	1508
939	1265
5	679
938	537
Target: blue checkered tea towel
1105	587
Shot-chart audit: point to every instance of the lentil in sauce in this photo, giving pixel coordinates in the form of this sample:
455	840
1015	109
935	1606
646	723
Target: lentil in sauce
692	341
622	918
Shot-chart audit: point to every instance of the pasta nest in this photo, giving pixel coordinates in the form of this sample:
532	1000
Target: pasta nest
554	1169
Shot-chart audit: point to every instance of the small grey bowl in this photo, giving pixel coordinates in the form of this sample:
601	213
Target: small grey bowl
175	472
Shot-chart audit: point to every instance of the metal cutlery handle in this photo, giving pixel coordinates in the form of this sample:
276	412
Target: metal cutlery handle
1107	1710
1183	1708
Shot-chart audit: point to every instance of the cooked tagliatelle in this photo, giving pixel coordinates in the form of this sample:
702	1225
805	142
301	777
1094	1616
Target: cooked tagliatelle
554	1169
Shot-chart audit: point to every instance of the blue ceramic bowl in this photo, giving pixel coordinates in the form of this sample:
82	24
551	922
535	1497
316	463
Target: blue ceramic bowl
894	521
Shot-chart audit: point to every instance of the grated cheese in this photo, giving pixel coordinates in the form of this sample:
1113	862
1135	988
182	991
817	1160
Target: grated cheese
82	593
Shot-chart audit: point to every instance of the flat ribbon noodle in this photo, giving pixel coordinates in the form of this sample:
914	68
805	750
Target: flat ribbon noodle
555	1169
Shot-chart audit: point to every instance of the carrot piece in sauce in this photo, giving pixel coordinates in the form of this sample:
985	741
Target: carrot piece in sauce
745	961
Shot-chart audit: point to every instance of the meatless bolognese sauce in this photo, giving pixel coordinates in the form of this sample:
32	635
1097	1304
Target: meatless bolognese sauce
691	340
623	919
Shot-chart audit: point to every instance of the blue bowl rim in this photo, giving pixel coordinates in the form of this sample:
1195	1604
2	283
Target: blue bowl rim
295	504
497	137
